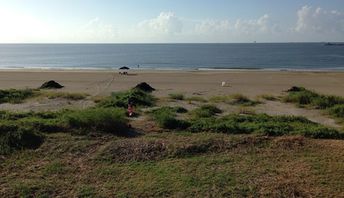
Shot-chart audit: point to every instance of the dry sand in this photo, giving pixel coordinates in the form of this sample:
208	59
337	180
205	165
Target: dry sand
206	83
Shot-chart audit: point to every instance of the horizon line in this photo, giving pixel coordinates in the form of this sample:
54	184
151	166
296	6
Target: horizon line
152	43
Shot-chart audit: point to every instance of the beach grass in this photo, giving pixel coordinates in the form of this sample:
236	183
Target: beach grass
121	99
65	95
16	95
310	99
235	99
166	117
176	96
268	97
196	99
201	151
205	111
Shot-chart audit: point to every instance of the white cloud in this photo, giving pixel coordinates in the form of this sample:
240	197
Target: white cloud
164	24
254	26
319	21
95	30
213	27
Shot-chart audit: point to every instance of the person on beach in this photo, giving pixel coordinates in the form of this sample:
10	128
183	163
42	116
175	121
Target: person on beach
130	107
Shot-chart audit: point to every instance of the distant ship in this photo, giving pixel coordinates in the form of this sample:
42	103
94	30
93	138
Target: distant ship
334	44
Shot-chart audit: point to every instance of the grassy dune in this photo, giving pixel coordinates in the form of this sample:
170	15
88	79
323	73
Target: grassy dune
202	152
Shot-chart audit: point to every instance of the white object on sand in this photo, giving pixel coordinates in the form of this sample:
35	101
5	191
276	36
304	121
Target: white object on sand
223	84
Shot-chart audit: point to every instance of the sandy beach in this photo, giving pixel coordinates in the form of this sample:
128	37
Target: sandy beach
205	83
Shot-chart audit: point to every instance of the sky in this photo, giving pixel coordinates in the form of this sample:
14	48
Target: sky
171	21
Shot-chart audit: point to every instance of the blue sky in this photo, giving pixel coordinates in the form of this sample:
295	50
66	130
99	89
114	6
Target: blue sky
151	21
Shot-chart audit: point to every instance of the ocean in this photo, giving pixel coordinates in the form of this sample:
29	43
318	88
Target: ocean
267	56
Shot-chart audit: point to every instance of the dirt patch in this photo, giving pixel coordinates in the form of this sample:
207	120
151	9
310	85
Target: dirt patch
289	142
136	150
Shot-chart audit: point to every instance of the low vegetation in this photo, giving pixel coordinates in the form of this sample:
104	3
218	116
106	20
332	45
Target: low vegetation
166	117
16	96
120	99
196	99
177	96
203	119
236	99
176	165
205	111
268	97
98	120
17	128
307	98
263	124
203	153
65	95
13	137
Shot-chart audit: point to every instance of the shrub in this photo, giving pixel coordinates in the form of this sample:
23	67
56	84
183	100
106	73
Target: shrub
120	99
166	118
15	96
205	111
44	125
98	120
13	137
337	110
176	96
306	97
236	99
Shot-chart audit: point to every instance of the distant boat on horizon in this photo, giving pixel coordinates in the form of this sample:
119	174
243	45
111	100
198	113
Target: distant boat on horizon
334	44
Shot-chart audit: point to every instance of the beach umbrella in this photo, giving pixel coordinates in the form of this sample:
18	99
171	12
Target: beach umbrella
124	68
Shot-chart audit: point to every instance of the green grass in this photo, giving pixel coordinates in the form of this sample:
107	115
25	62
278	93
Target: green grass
189	165
205	111
68	96
166	117
104	120
235	99
306	98
337	111
16	96
120	99
26	130
196	99
177	96
265	125
13	137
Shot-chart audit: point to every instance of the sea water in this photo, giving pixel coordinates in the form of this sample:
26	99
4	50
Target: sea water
268	56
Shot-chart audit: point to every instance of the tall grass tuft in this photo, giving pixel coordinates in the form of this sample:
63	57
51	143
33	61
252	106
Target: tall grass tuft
14	137
166	117
106	120
205	111
15	96
177	96
120	99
